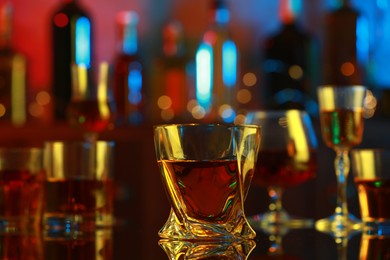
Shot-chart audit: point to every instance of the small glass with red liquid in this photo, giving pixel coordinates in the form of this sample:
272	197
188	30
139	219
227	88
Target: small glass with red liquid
78	185
22	178
206	171
371	169
90	107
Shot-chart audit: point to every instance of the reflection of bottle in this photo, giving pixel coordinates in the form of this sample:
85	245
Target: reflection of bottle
344	51
14	245
286	62
129	80
172	79
12	73
217	69
71	43
78	245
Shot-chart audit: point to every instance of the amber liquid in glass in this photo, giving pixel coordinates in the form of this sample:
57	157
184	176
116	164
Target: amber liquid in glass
21	192
89	115
208	190
342	128
374	195
92	200
278	168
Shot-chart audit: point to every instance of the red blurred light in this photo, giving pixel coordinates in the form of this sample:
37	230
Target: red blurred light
61	20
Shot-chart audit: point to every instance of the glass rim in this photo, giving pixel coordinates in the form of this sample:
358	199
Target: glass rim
205	125
372	150
341	86
75	142
276	111
21	149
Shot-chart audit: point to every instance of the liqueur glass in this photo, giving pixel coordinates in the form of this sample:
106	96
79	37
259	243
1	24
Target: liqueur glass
206	171
287	158
342	123
90	107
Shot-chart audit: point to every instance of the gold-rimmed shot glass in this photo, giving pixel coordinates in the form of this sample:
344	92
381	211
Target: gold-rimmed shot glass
79	185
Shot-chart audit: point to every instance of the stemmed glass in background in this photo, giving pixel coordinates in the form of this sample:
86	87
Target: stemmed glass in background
89	108
341	115
287	158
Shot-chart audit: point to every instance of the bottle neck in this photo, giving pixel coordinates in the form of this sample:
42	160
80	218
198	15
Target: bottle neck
173	39
127	33
289	10
128	39
220	13
345	3
5	25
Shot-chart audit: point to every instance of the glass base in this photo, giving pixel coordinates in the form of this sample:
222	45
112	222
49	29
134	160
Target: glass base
278	222
201	230
339	225
207	250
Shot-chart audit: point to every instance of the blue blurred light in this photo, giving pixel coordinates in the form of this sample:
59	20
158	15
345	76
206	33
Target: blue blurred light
83	41
382	4
222	15
296	6
272	65
204	75
130	45
311	131
134	83
288	94
362	40
135	118
229	63
228	115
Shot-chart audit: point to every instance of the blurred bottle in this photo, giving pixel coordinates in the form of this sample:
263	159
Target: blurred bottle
72	31
288	72
217	69
12	73
172	77
345	46
129	80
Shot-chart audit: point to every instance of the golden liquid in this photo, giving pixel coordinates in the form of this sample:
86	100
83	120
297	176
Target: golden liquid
342	128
